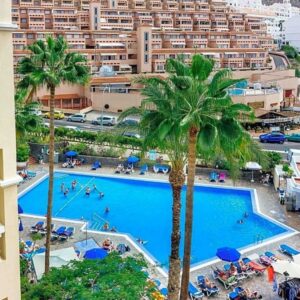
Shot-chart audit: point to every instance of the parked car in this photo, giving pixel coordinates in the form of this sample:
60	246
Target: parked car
77	118
57	115
36	111
105	120
273	137
72	128
128	123
131	134
294	137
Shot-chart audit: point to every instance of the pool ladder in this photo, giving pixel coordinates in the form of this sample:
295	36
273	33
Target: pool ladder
258	238
97	222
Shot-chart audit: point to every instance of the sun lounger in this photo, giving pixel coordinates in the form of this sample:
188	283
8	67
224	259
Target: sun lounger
164	292
265	260
240	274
194	293
161	169
236	294
143	170
44	230
222	177
67	233
224	278
56	233
258	268
272	255
37	227
31	174
96	165
287	250
248	272
208	291
213	176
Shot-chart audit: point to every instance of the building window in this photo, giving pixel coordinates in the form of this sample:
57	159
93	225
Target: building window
146	36
146	47
146	58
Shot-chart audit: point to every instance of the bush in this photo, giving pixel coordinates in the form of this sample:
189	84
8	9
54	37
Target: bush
23	151
274	159
290	51
111	152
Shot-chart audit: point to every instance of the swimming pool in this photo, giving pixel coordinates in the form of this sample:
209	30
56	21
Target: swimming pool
143	209
236	92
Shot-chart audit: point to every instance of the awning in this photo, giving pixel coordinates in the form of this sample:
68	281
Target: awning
110	44
108	54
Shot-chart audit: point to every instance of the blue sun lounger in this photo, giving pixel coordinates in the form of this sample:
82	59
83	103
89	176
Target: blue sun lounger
213	176
37	227
143	170
96	165
67	233
194	293
208	291
164	292
56	233
285	249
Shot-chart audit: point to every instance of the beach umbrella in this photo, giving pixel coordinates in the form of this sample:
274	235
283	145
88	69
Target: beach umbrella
287	268
253	166
132	159
228	254
71	153
95	253
20	209
20	225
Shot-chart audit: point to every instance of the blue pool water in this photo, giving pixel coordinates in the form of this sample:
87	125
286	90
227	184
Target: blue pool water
143	209
236	92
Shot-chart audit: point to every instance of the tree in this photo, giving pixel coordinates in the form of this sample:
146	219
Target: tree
112	278
290	51
50	64
26	120
161	128
209	118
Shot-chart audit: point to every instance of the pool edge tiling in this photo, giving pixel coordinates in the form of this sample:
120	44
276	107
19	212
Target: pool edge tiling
287	231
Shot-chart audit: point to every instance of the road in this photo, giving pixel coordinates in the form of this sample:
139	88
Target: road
90	127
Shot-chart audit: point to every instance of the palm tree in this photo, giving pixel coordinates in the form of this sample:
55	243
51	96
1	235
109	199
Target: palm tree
208	116
161	127
50	65
26	120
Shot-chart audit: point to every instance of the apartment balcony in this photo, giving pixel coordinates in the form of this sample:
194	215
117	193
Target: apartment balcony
219	43
218	17
36	14
201	25
137	4
67	3
244	43
187	5
219	26
174	43
47	3
164	22
24	3
202	7
122	4
196	43
154	5
170	5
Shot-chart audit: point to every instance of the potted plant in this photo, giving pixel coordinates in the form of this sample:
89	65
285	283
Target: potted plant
23	151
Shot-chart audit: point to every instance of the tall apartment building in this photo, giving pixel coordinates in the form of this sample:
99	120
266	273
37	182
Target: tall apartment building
134	36
9	245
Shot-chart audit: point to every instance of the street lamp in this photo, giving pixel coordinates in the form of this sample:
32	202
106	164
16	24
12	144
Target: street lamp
107	87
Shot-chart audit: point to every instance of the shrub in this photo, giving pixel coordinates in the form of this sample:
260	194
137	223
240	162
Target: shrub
23	151
274	159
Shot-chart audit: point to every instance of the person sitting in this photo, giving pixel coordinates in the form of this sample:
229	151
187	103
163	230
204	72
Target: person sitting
252	295
119	169
242	265
232	270
209	284
65	164
107	244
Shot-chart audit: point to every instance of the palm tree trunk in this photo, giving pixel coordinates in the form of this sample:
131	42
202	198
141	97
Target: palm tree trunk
185	278
51	171
176	180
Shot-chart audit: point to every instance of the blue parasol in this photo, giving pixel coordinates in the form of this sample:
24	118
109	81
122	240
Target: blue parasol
20	209
228	254
132	159
95	253
71	153
20	225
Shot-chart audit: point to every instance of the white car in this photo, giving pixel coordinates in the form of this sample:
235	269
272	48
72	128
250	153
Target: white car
105	120
77	118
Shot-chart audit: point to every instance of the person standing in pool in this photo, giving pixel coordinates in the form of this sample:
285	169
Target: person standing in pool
95	187
87	191
106	210
62	188
101	195
66	192
74	183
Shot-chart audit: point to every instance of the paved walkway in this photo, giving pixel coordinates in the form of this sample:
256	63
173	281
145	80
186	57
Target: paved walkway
269	205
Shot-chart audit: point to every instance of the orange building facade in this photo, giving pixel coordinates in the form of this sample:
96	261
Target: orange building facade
137	36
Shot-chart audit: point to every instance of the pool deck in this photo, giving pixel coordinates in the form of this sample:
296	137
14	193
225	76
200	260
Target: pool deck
268	202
